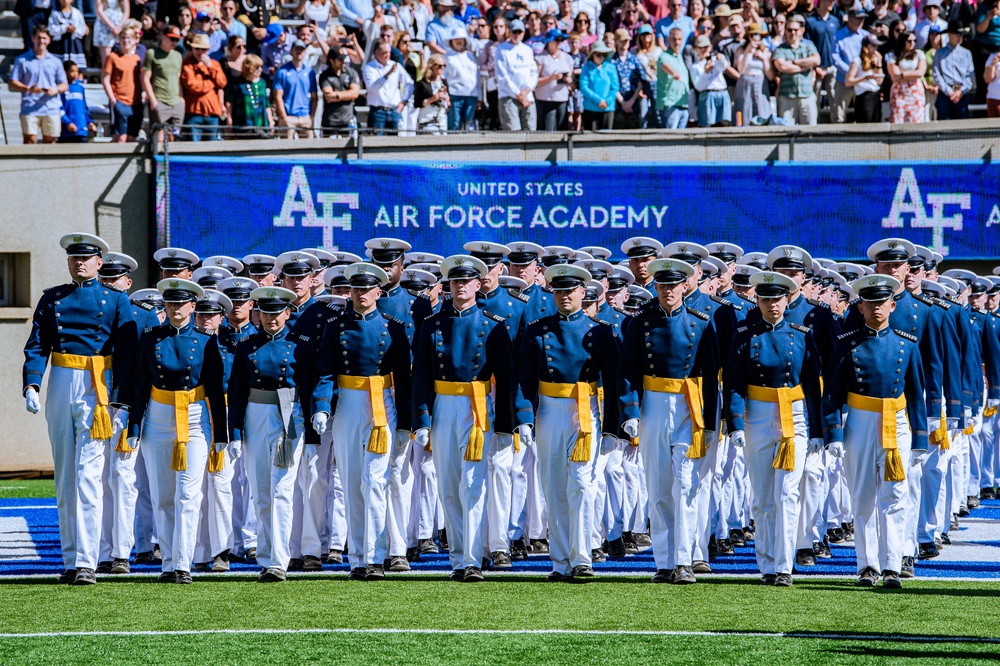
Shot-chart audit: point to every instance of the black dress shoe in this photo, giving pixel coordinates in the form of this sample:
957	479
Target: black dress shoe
748	534
220	563
700	567
518	552
597	555
987	494
890	580
768	579
67	577
473	575
145	557
357	573
835	535
443	539
157	554
867	577
783	580
103	567
663	576
166	577
972	502
582	573
457	575
630	546
804	557
736	538
927	551
412	554
427	547
643	541
398	563
312	563
906	571
616	549
540	546
848	530
183	577
501	560
713	548
251	555
120	566
724	547
335	557
945	540
684	576
558	577
296	564
963	512
272	575
374	572
85	577
821	550
200	567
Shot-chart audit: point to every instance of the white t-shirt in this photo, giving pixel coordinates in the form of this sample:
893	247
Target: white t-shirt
993	87
560	63
869	84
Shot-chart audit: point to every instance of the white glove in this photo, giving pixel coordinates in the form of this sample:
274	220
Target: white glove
816	445
220	447
629	452
933	424
422	437
400	440
236	449
992	402
31	400
951	424
525	434
836	449
738	438
121	419
631	427
311	452
608	444
133	443
504	440
967	413
319	421
917	457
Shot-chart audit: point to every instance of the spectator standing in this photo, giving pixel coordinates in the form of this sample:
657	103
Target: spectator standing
600	88
906	66
111	17
389	88
821	28
992	78
487	69
316	12
431	99
954	75
865	77
353	14
880	16
246	99
985	40
462	74
592	8
465	12
647	53
565	16
40	79
534	35
631	76
753	62
794	62
228	22
439	29
68	28
777	36
517	78
574	106
185	22
296	94
121	78
274	49
847	49
675	19
201	80
582	25
555	76
708	78
672	84
76	121
161	77
629	17
340	86
236	53
930	86
932	18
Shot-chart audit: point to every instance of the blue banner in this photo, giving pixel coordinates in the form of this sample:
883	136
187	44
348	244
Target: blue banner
236	205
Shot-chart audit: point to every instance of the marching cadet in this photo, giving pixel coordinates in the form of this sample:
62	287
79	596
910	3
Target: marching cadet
89	332
215	532
641	250
325	259
523	264
364	355
877	372
618	281
672	352
260	268
387	254
269	421
175	262
561	361
179	411
773	398
152	301
458	352
729	254
236	328
742	289
121	493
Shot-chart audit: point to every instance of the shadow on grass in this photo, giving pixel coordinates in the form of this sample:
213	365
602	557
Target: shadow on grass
915	653
850	586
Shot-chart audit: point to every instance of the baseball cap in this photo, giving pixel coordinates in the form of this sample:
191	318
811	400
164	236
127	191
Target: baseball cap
203	16
299	44
517	25
171	32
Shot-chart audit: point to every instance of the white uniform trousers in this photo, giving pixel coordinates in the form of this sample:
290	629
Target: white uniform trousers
987	469
338	511
707	487
108	504
729	515
126	496
244	511
176	496
776	491
364	475
975	468
423	497
932	519
838	497
215	529
599	528
569	488
145	525
461	483
879	505
814	492
958	471
311	495
400	495
537	521
914	500
272	487
614	505
78	462
498	498
671	477
632	504
519	493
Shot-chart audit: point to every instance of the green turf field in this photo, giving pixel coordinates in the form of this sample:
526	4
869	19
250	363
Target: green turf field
31	488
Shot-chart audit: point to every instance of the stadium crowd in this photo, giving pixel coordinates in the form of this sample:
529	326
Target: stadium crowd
235	68
513	400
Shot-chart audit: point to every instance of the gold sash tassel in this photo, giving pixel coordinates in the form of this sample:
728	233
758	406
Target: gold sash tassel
96	365
581	392
887	407
690	387
476	392
784	397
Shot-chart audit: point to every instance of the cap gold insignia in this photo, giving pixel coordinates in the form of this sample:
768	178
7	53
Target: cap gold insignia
892	244
171	253
682	248
174	284
484	247
271	293
787	251
562	271
636	242
385	244
78	238
768	279
519	248
720	248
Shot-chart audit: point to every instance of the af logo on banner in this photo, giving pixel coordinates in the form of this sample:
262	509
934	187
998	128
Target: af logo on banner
298	199
908	201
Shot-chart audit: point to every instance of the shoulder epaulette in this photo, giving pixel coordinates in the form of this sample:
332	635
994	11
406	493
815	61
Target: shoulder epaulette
424	296
940	302
546	289
393	319
600	321
904	334
699	314
854	302
494	317
144	306
518	295
751	301
821	304
58	286
303	338
535	321
923	299
723	301
114	288
844	336
800	327
742	329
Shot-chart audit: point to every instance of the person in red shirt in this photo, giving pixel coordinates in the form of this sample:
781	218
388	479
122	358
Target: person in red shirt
121	78
202	79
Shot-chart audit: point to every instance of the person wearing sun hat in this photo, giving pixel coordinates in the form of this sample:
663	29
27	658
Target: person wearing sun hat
88	333
772	405
877	372
600	86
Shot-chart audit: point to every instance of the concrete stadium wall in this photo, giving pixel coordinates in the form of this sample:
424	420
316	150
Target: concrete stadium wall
106	189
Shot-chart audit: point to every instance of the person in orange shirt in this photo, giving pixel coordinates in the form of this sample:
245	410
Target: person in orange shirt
201	81
120	77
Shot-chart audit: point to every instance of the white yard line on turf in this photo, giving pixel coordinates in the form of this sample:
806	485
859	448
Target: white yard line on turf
517	632
22	507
